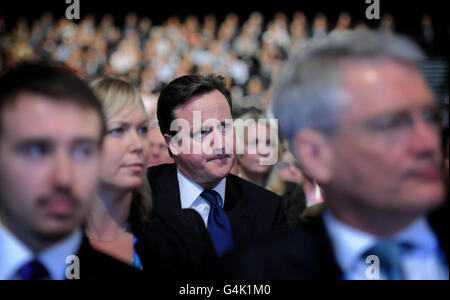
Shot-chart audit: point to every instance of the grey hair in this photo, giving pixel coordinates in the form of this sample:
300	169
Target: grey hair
309	92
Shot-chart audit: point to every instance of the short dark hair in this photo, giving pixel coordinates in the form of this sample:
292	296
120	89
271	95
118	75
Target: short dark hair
48	79
181	90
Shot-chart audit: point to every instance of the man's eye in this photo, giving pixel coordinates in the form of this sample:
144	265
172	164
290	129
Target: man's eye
205	131
35	150
391	122
83	151
432	116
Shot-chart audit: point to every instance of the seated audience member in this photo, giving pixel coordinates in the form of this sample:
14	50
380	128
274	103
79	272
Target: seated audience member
233	209
289	171
159	153
51	132
259	164
364	124
174	247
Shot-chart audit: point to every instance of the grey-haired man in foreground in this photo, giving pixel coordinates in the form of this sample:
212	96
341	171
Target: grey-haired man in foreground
364	124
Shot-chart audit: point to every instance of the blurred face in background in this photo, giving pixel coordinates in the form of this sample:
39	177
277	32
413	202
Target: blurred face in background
257	148
288	169
446	165
126	149
386	155
159	153
49	165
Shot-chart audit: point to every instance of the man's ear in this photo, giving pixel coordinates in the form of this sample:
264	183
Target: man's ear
314	154
171	144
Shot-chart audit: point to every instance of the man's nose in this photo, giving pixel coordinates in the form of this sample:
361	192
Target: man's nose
425	138
218	142
63	169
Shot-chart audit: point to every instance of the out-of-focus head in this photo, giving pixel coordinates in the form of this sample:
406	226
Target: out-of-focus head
288	169
259	139
363	122
159	153
51	131
201	138
446	161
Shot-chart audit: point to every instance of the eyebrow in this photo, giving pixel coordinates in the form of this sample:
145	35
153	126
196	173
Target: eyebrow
127	123
49	141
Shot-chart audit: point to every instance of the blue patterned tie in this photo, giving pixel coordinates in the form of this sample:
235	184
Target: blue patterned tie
389	253
33	270
218	223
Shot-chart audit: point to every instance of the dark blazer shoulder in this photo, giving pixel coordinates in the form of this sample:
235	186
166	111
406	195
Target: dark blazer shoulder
266	207
161	175
302	252
249	187
95	265
175	245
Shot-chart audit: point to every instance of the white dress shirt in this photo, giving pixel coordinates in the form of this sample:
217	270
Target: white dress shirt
14	255
425	261
190	195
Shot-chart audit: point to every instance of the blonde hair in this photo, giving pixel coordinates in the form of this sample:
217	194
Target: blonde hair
115	95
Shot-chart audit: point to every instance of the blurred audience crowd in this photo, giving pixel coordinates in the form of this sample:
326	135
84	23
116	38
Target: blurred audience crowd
248	52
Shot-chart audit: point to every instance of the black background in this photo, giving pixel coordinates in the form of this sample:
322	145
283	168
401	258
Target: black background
406	12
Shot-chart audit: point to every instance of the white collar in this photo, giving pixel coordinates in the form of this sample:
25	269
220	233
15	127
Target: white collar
349	243
190	191
54	258
14	254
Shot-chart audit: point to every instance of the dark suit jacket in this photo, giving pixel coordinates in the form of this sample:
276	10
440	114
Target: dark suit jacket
305	252
253	211
95	265
175	246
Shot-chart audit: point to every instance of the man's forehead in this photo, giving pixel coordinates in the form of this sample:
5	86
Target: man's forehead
34	115
206	102
385	86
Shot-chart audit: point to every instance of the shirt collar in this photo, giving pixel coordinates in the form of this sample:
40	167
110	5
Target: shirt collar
349	243
420	235
54	258
14	254
190	191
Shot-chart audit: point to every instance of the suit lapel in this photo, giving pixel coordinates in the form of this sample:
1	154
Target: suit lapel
236	206
439	223
165	188
313	251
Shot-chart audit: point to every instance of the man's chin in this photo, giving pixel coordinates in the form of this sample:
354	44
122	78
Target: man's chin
56	231
221	171
426	201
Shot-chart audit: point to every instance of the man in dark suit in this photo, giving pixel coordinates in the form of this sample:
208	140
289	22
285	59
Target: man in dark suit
363	123
203	150
51	132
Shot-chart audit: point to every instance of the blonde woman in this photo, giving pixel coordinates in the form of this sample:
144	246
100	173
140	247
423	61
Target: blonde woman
119	223
261	160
